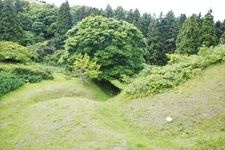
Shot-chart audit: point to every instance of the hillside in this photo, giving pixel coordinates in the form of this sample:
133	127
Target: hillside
64	114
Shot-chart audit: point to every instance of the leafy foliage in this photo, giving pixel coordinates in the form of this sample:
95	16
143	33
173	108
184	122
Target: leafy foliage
30	74
13	52
9	82
13	76
118	45
86	68
155	79
41	50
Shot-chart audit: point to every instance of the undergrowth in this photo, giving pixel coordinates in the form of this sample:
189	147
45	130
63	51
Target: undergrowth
180	68
13	76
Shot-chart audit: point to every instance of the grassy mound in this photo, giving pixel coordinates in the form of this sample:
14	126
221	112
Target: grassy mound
64	114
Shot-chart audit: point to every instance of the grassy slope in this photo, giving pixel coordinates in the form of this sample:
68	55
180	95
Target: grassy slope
63	114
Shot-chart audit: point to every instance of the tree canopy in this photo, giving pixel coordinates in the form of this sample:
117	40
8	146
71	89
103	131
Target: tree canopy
118	46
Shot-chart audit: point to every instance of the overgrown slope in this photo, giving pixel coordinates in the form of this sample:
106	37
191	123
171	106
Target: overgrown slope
63	114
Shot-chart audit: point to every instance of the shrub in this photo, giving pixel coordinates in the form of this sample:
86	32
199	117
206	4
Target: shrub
9	82
156	79
54	59
13	52
86	68
13	76
40	50
31	74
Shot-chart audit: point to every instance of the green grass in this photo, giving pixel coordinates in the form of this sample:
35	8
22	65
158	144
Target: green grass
65	114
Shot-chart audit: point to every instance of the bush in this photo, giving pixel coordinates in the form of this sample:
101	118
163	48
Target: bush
13	76
85	68
9	82
40	50
31	74
54	59
13	52
156	79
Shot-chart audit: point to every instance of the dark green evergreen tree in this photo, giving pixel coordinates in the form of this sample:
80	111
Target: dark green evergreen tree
222	39
64	19
188	38
119	13
10	28
64	23
200	20
181	20
82	13
169	31
154	41
136	17
129	17
208	37
219	30
144	22
1	7
18	6
109	11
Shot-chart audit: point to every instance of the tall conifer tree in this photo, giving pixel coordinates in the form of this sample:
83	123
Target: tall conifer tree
119	13
188	38
208	36
109	11
64	23
136	17
144	22
10	28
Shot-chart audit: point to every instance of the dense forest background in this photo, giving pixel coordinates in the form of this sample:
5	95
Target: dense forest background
42	28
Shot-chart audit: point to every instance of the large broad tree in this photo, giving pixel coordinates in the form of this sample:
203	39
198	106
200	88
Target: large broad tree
188	38
64	23
208	36
118	46
10	28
